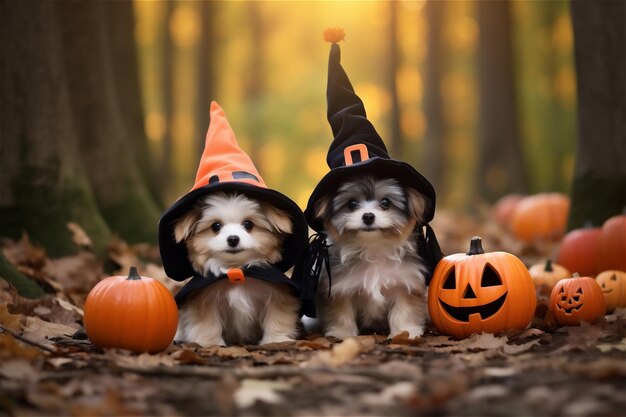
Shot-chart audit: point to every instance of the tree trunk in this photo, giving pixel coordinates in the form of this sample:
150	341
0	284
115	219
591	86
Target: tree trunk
121	23
43	184
256	80
205	71
106	146
599	185
24	286
395	145
167	162
500	166
433	160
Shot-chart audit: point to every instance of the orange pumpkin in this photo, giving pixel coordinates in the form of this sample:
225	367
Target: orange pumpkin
612	244
613	286
546	274
504	208
577	299
578	250
480	292
540	217
133	312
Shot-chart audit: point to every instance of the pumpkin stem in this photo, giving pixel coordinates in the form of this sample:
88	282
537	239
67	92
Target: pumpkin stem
575	275
548	267
588	224
476	246
132	274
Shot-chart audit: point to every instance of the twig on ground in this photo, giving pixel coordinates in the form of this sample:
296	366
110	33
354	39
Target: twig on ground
25	340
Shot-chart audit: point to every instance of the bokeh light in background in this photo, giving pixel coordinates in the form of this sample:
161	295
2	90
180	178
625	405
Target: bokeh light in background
282	124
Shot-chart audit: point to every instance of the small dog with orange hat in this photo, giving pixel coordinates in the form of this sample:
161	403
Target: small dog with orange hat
236	238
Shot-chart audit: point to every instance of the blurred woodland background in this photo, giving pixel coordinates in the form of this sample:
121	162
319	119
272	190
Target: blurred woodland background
105	104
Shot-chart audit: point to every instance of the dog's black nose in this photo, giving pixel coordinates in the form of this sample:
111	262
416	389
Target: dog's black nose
368	218
232	240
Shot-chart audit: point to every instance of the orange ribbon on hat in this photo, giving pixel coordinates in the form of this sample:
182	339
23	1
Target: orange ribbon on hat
223	160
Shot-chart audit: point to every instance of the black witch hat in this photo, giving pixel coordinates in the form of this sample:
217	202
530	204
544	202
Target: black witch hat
358	150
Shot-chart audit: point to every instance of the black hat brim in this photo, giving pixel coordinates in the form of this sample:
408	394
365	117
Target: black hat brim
175	256
404	173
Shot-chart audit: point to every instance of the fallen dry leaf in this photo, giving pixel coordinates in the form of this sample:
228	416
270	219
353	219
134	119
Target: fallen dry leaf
483	341
392	394
11	321
41	331
340	353
253	390
79	236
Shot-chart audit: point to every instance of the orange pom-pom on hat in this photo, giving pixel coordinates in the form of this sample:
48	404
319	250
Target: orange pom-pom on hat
334	35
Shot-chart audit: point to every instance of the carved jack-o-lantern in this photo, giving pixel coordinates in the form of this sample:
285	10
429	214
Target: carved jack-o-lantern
577	299
613	286
480	292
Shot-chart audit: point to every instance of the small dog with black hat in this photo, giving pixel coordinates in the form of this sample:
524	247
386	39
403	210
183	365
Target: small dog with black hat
374	252
236	238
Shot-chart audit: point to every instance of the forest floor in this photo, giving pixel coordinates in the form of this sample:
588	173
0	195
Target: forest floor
49	368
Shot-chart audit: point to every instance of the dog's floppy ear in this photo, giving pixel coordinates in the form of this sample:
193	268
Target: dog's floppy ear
417	205
278	219
185	225
321	207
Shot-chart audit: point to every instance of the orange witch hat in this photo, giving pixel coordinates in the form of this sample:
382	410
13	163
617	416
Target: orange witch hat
223	159
225	167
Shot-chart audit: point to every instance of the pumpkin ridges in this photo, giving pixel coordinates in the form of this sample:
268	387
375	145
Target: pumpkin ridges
130	314
592	301
469	269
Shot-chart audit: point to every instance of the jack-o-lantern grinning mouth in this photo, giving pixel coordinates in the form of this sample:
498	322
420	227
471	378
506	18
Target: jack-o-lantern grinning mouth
569	310
485	310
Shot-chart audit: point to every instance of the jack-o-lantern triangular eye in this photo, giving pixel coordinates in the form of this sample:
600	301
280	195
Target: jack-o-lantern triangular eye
580	291
490	277
562	290
450	281
614	277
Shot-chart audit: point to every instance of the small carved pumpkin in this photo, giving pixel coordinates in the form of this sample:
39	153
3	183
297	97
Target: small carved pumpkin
547	274
540	217
134	312
577	299
613	286
612	244
480	292
578	250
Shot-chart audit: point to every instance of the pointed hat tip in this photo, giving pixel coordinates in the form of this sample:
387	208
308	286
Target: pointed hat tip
334	35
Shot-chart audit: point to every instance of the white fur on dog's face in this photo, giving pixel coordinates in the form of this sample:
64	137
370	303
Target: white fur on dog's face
229	230
371	209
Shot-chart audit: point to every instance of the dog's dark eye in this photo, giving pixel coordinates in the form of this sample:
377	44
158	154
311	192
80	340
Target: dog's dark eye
216	227
352	204
385	203
248	225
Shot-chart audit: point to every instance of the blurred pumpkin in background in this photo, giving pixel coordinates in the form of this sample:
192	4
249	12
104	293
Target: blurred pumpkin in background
546	274
504	208
540	217
131	312
578	250
611	253
613	286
